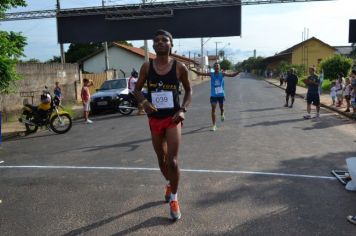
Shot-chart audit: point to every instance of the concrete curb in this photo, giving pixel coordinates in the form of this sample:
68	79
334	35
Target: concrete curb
348	115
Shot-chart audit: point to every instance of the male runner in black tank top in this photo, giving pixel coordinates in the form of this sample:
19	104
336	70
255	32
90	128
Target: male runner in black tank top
164	111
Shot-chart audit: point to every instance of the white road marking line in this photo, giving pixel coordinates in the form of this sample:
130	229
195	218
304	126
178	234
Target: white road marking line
2	162
183	170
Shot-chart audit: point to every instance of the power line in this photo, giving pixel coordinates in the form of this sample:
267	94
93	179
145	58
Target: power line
134	11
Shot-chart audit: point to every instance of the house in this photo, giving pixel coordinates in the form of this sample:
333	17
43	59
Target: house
344	50
122	59
308	53
212	59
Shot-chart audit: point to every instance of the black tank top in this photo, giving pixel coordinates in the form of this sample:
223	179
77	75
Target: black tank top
163	83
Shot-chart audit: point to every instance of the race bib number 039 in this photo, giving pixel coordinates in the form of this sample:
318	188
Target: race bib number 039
162	100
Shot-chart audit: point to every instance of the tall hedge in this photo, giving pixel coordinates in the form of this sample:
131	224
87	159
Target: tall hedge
335	65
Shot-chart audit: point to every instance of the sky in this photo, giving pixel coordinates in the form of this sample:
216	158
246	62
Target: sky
266	28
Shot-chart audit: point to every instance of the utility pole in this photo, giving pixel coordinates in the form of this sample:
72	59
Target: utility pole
145	43
63	58
106	48
216	49
202	66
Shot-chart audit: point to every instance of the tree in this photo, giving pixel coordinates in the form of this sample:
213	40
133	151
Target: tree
55	59
31	60
353	52
11	49
77	51
255	64
225	64
335	65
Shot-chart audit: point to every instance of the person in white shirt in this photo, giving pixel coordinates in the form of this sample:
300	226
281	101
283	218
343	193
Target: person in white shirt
333	92
131	86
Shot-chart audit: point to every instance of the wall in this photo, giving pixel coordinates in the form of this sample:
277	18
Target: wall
311	52
119	59
35	77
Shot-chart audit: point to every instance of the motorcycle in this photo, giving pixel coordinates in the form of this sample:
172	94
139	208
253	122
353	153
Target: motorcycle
127	104
48	113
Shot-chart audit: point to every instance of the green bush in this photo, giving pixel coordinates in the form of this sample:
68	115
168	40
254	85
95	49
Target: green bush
326	86
68	108
300	81
335	65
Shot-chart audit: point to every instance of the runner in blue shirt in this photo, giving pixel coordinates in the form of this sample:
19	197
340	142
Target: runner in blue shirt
217	92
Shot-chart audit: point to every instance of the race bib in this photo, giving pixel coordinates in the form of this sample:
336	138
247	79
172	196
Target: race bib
218	90
162	100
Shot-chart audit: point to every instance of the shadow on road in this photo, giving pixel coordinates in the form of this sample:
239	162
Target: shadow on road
108	220
265	109
154	221
312	206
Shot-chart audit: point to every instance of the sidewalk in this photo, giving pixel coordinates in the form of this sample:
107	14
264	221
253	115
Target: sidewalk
13	129
325	99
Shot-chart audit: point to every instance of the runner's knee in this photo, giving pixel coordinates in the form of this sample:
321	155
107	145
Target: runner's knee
172	163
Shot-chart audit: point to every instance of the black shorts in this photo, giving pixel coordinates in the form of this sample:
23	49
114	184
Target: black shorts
313	98
214	100
348	97
290	91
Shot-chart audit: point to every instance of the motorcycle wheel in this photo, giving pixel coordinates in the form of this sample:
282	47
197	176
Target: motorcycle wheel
31	128
61	124
125	111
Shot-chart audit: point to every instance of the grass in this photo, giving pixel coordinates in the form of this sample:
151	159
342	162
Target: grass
69	108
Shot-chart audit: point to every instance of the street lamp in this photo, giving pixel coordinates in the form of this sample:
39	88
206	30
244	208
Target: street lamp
216	48
221	50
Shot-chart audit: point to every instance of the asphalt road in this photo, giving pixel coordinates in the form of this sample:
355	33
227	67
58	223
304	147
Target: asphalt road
265	171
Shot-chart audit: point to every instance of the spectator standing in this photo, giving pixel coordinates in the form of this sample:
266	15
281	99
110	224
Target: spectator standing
292	81
321	78
347	94
313	93
339	88
131	86
85	95
353	92
57	91
333	93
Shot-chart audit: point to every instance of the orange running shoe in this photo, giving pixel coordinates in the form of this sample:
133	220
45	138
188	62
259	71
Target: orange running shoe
174	210
167	195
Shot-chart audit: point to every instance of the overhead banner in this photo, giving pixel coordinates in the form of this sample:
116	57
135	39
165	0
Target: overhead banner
182	23
352	32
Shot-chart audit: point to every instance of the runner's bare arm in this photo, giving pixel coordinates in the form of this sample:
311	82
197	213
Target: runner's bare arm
183	77
231	75
182	73
200	73
140	82
147	106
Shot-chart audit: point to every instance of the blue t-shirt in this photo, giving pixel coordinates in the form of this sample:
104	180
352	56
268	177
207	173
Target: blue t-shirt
217	85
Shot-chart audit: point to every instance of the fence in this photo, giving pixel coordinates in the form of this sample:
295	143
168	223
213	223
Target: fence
98	79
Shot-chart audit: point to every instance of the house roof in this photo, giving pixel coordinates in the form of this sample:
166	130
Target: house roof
213	57
184	59
139	52
344	50
291	49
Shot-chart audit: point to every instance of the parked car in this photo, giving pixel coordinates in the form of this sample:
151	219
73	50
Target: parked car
107	96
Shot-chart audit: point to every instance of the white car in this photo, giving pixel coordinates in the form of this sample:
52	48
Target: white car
107	96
